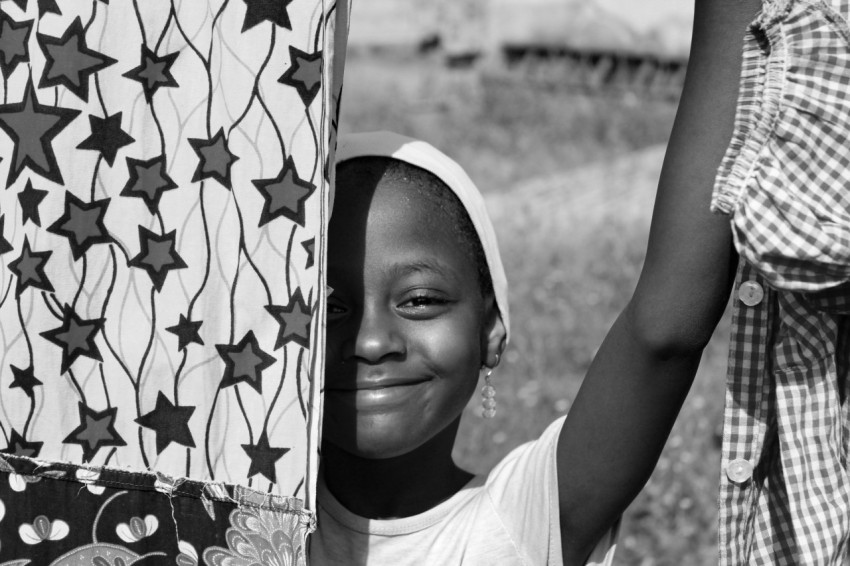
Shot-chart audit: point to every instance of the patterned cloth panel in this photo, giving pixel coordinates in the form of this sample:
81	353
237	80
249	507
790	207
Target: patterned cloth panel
165	169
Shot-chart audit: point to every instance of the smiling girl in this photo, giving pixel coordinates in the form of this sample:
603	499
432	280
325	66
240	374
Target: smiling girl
419	311
419	308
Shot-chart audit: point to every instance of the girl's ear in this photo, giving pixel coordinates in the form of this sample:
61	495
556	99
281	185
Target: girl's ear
494	334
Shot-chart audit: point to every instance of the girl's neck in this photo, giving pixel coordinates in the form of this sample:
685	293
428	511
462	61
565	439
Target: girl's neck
397	487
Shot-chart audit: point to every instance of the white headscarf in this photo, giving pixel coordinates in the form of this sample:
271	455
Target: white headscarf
426	156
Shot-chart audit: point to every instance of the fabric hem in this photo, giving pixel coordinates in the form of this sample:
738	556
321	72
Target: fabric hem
156	481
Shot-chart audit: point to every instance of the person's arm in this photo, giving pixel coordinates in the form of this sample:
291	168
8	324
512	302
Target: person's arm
630	398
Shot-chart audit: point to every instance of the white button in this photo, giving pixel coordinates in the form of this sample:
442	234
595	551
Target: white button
739	471
750	293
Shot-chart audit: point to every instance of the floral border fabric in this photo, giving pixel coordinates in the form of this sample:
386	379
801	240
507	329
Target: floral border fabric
165	172
63	515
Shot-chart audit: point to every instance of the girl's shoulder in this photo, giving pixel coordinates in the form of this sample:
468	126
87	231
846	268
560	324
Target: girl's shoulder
523	490
535	458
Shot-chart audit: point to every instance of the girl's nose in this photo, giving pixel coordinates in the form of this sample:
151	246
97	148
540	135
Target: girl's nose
377	337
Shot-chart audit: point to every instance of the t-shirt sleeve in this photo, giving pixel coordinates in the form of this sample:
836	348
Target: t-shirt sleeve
524	491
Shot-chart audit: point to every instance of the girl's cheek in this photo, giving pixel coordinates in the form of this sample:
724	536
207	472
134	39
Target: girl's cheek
456	349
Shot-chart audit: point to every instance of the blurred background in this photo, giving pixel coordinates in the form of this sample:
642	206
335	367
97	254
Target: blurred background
560	111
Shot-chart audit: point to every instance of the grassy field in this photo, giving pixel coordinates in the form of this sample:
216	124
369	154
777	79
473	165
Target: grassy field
570	181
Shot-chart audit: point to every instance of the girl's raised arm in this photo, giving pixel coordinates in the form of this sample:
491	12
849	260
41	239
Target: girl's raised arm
630	398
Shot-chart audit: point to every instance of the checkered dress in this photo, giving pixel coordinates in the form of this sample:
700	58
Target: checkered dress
785	182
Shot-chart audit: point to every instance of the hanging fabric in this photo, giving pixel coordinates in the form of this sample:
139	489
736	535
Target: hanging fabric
165	169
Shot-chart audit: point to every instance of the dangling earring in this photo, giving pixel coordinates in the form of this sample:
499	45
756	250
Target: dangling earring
488	394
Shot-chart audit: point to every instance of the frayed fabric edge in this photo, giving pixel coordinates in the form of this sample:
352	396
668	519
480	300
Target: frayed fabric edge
145	480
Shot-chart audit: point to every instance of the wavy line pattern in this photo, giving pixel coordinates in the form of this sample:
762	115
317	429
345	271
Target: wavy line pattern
162	164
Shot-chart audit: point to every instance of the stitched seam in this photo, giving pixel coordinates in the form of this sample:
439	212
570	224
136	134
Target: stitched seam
68	469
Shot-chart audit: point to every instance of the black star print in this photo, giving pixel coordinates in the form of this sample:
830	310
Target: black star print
215	159
263	457
309	247
82	223
153	72
148	180
285	195
25	379
157	255
5	246
19	446
186	332
294	321
96	430
170	422
22	4
32	127
69	62
14	43
107	137
244	362
30	198
75	337
45	6
304	74
29	268
271	10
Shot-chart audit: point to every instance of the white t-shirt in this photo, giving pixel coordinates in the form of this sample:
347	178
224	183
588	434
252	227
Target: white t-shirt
506	518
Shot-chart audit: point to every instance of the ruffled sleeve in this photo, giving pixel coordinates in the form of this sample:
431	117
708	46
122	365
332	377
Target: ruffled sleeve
785	178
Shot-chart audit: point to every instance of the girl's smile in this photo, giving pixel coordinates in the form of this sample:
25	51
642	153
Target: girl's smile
368	397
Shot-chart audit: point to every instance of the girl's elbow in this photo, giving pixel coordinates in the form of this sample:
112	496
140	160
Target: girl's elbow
667	334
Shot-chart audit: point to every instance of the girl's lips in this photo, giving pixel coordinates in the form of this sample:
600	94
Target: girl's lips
378	395
373	384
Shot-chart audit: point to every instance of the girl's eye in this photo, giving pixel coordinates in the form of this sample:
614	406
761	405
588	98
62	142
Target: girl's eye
423	301
335	308
424	304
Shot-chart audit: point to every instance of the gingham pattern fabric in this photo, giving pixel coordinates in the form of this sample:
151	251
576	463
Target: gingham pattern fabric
795	126
785	490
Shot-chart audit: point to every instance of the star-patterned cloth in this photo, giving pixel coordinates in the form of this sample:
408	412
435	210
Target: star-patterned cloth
28	269
304	73
14	43
30	198
244	362
32	127
274	11
153	72
170	422
69	62
155	159
5	246
148	179
214	159
106	137
286	195
82	223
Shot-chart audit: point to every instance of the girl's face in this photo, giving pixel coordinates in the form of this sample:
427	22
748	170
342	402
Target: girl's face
407	326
